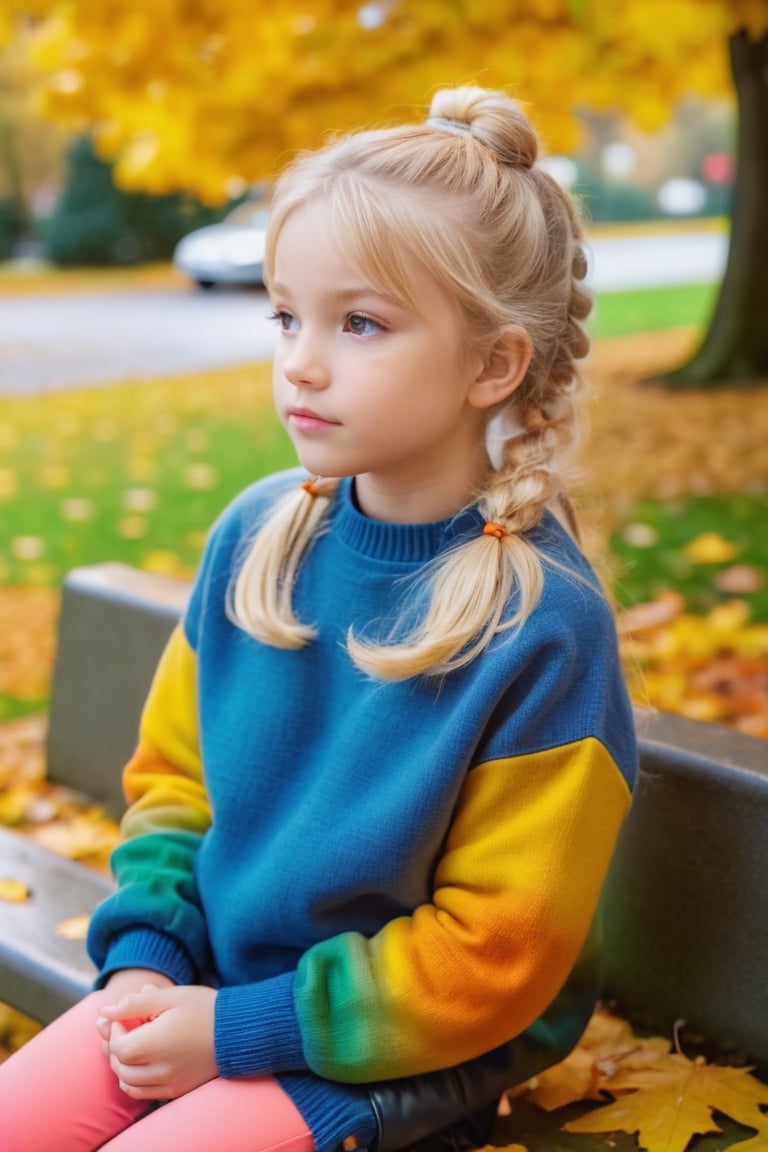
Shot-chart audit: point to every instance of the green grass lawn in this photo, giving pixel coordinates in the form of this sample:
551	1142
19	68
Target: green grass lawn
652	309
134	473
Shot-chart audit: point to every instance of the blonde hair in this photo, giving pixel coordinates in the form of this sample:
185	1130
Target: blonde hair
462	195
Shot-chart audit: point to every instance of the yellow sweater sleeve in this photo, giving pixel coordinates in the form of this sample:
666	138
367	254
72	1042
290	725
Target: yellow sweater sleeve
163	781
515	893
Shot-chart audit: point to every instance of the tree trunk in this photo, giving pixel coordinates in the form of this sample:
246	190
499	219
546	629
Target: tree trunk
735	347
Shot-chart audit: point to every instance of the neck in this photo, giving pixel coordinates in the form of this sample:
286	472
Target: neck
416	498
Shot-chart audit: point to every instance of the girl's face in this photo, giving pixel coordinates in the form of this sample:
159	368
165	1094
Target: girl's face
368	387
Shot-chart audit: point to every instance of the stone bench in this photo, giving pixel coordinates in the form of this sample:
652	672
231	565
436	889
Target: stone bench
686	903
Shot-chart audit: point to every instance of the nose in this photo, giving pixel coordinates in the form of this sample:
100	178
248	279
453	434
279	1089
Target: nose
305	364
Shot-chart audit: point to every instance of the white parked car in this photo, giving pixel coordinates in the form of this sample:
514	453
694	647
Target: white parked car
230	252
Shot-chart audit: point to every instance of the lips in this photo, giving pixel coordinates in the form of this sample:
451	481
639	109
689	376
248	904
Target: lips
306	420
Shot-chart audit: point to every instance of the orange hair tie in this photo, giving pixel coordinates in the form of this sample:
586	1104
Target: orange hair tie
491	528
312	488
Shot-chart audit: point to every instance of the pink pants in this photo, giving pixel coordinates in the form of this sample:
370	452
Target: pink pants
58	1094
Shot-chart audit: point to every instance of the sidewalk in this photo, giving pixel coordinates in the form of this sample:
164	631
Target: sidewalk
626	260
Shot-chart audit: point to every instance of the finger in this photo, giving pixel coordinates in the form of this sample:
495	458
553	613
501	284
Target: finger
127	1043
135	1007
148	1092
134	1075
143	1082
103	1027
130	1002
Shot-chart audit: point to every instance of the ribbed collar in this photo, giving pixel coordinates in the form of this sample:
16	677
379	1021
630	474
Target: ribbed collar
401	543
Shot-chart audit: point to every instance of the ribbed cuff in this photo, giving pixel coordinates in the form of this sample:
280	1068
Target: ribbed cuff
256	1030
143	948
333	1112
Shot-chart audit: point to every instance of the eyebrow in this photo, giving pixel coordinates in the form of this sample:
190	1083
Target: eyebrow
343	295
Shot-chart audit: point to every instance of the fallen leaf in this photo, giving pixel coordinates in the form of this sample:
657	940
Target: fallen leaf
653	614
709	548
15	803
727	619
77	509
201	477
503	1148
576	1078
27	547
740	580
608	1043
87	834
14	891
75	928
712	667
162	562
672	1099
15	1029
132	527
640	535
140	500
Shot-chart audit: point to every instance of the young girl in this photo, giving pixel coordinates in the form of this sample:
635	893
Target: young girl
386	755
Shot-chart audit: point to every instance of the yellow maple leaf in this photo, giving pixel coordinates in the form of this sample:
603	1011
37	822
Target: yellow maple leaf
672	1100
575	1078
588	1070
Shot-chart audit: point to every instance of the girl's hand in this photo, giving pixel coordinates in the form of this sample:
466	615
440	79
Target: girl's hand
161	1040
118	985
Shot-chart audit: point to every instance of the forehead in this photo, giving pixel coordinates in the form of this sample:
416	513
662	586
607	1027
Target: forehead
311	257
307	234
369	243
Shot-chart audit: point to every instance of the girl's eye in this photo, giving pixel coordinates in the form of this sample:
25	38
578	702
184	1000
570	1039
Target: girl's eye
360	325
285	321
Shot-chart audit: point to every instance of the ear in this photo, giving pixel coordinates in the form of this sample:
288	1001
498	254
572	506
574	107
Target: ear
503	369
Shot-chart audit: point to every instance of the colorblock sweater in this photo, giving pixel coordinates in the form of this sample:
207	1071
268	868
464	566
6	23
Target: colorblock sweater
382	879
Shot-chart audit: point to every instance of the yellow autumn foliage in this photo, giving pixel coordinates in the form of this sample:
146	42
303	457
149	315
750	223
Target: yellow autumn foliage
211	95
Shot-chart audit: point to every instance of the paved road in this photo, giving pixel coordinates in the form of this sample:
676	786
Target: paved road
53	342
652	261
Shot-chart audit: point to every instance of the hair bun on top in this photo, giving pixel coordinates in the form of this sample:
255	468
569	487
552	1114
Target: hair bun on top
492	118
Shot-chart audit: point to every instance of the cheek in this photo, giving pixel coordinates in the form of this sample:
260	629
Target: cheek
278	380
280	398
